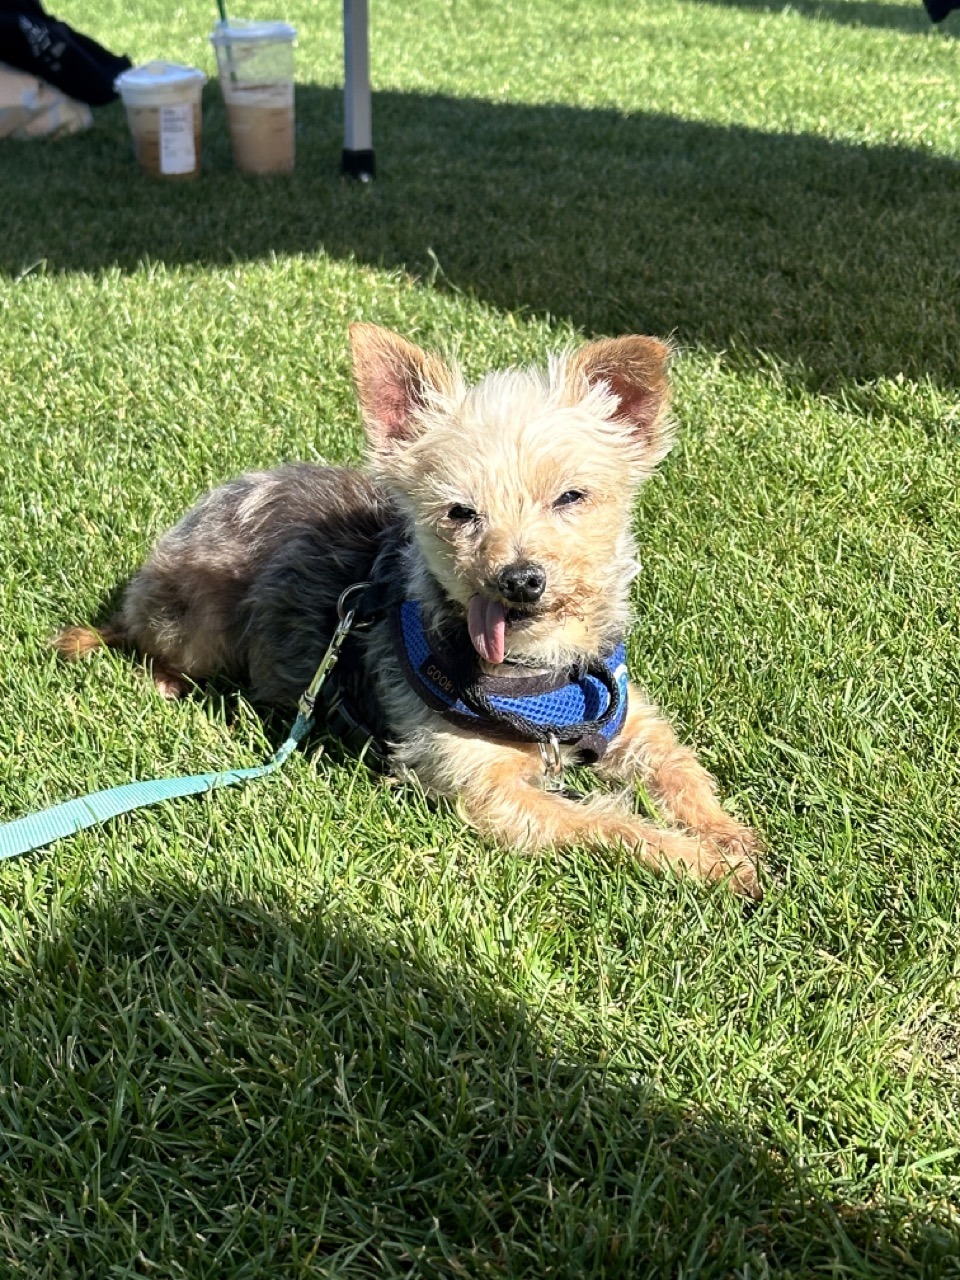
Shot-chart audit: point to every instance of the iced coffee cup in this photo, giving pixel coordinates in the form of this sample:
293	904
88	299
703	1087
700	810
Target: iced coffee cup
255	60
162	101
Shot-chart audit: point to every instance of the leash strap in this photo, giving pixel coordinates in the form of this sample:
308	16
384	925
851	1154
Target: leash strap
35	830
38	829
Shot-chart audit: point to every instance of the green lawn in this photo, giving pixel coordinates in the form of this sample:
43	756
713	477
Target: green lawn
316	1028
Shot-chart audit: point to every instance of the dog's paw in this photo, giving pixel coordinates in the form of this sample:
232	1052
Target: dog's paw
736	854
170	684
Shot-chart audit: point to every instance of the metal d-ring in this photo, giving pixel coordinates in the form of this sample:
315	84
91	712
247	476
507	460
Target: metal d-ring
346	616
343	628
552	762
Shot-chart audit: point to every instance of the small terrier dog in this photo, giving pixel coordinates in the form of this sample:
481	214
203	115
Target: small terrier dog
491	539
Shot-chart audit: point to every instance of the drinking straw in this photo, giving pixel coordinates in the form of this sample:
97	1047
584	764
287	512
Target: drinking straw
222	9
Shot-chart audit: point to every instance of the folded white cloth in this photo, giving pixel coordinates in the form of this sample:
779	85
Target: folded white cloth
31	108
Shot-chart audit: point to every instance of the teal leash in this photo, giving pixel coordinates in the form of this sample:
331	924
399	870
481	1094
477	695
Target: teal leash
36	830
23	835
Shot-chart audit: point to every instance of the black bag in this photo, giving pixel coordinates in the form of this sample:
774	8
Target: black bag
938	9
52	51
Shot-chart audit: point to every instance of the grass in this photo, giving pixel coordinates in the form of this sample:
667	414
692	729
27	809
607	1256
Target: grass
317	1028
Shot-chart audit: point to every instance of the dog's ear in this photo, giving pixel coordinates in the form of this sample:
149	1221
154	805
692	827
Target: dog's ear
393	379
635	370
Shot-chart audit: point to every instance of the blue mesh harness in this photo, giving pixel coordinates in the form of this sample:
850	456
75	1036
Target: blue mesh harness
581	707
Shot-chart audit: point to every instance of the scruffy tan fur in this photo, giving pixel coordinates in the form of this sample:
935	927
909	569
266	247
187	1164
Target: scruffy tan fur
529	472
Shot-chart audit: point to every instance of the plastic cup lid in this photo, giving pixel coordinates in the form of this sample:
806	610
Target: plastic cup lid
236	30
158	75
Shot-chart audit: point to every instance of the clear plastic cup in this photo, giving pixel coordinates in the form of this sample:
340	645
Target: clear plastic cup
255	60
162	100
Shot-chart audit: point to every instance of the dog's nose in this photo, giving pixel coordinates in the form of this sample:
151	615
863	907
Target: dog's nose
522	583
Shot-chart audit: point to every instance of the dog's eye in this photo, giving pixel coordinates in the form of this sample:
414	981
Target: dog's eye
570	497
461	514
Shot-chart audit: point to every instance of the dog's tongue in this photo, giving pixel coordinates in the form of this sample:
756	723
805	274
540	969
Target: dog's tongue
487	624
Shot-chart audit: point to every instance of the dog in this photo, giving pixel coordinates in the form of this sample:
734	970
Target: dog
488	544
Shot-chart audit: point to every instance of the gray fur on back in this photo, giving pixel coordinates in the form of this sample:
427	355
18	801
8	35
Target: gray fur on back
247	582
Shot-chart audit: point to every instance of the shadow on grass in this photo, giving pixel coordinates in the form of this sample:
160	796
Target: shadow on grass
198	1084
912	18
839	261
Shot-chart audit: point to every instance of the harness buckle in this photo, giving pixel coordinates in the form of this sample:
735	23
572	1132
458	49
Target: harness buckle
552	763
